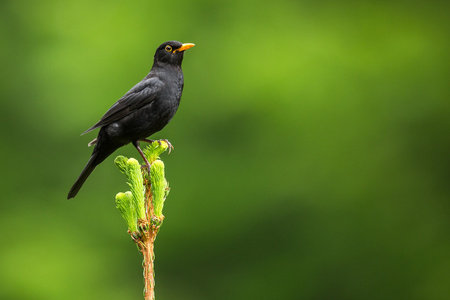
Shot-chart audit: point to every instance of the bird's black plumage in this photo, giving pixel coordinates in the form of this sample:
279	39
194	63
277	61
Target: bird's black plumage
142	111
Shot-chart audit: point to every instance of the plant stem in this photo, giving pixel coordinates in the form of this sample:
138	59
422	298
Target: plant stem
148	264
147	246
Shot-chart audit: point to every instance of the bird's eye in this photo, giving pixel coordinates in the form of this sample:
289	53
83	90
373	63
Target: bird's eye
168	48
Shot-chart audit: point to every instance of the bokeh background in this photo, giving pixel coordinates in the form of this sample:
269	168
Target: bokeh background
311	149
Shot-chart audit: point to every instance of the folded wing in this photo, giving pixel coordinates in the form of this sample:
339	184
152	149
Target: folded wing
140	95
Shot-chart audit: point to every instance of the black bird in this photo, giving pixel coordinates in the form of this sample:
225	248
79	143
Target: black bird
142	111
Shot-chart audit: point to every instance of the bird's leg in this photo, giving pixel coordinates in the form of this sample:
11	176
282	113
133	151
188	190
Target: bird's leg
136	144
159	141
147	140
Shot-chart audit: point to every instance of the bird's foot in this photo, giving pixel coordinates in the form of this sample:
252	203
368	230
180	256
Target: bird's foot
169	145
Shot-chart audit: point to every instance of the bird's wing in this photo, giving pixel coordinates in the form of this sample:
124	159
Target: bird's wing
140	95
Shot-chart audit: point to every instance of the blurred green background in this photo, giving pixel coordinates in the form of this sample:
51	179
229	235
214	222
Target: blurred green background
311	149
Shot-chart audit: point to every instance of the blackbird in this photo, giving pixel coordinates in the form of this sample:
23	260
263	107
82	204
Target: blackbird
142	111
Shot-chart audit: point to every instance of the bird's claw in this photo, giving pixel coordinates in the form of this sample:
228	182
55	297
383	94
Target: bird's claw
169	145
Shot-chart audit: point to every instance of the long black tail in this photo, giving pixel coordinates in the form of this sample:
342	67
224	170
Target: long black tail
102	150
90	166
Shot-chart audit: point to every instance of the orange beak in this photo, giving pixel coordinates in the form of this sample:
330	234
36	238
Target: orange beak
184	47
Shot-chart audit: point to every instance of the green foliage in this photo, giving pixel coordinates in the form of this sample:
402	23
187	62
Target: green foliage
135	182
132	203
159	186
154	150
132	170
127	209
121	163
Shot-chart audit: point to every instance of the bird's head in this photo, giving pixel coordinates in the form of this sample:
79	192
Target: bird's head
171	52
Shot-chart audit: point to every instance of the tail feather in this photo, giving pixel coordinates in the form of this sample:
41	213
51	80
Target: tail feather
103	149
90	166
